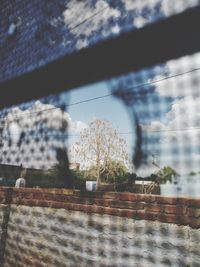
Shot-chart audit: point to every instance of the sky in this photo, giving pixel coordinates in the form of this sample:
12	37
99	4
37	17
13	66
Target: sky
109	108
164	99
169	117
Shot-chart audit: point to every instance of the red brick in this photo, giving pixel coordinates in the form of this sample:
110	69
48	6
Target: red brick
26	190
140	206
72	206
194	222
39	195
43	190
126	197
111	211
172	218
193	212
56	197
101	195
31	202
108	203
22	195
127	204
146	198
194	203
183	201
86	208
153	208
2	197
59	205
143	215
107	195
27	202
16	201
92	201
65	191
128	213
43	203
166	200
2	206
2	189
174	209
37	264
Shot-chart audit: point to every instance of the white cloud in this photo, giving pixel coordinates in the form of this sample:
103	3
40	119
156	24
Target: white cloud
77	126
81	43
154	126
146	169
186	84
140	21
168	8
42	129
180	132
115	29
84	19
139	5
185	112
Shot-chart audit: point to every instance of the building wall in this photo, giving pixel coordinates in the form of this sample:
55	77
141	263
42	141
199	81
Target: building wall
68	228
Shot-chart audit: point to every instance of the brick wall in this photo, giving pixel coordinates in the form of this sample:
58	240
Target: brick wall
71	228
184	211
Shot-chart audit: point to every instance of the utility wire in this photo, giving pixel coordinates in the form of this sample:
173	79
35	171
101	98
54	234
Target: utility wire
151	131
173	130
120	133
138	94
88	18
135	87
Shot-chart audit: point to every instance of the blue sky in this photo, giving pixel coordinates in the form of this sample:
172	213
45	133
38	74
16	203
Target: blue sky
172	105
109	108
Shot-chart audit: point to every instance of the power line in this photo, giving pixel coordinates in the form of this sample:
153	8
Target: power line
166	78
175	130
90	99
135	43
135	87
88	18
120	133
154	131
139	94
164	130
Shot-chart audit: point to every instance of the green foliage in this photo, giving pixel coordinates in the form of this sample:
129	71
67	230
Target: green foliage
42	179
49	179
8	182
193	173
91	173
114	171
165	174
79	178
100	144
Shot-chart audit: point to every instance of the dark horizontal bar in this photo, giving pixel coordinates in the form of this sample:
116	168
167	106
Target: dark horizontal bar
156	43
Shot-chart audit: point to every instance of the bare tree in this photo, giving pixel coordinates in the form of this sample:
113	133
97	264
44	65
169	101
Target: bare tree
100	144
